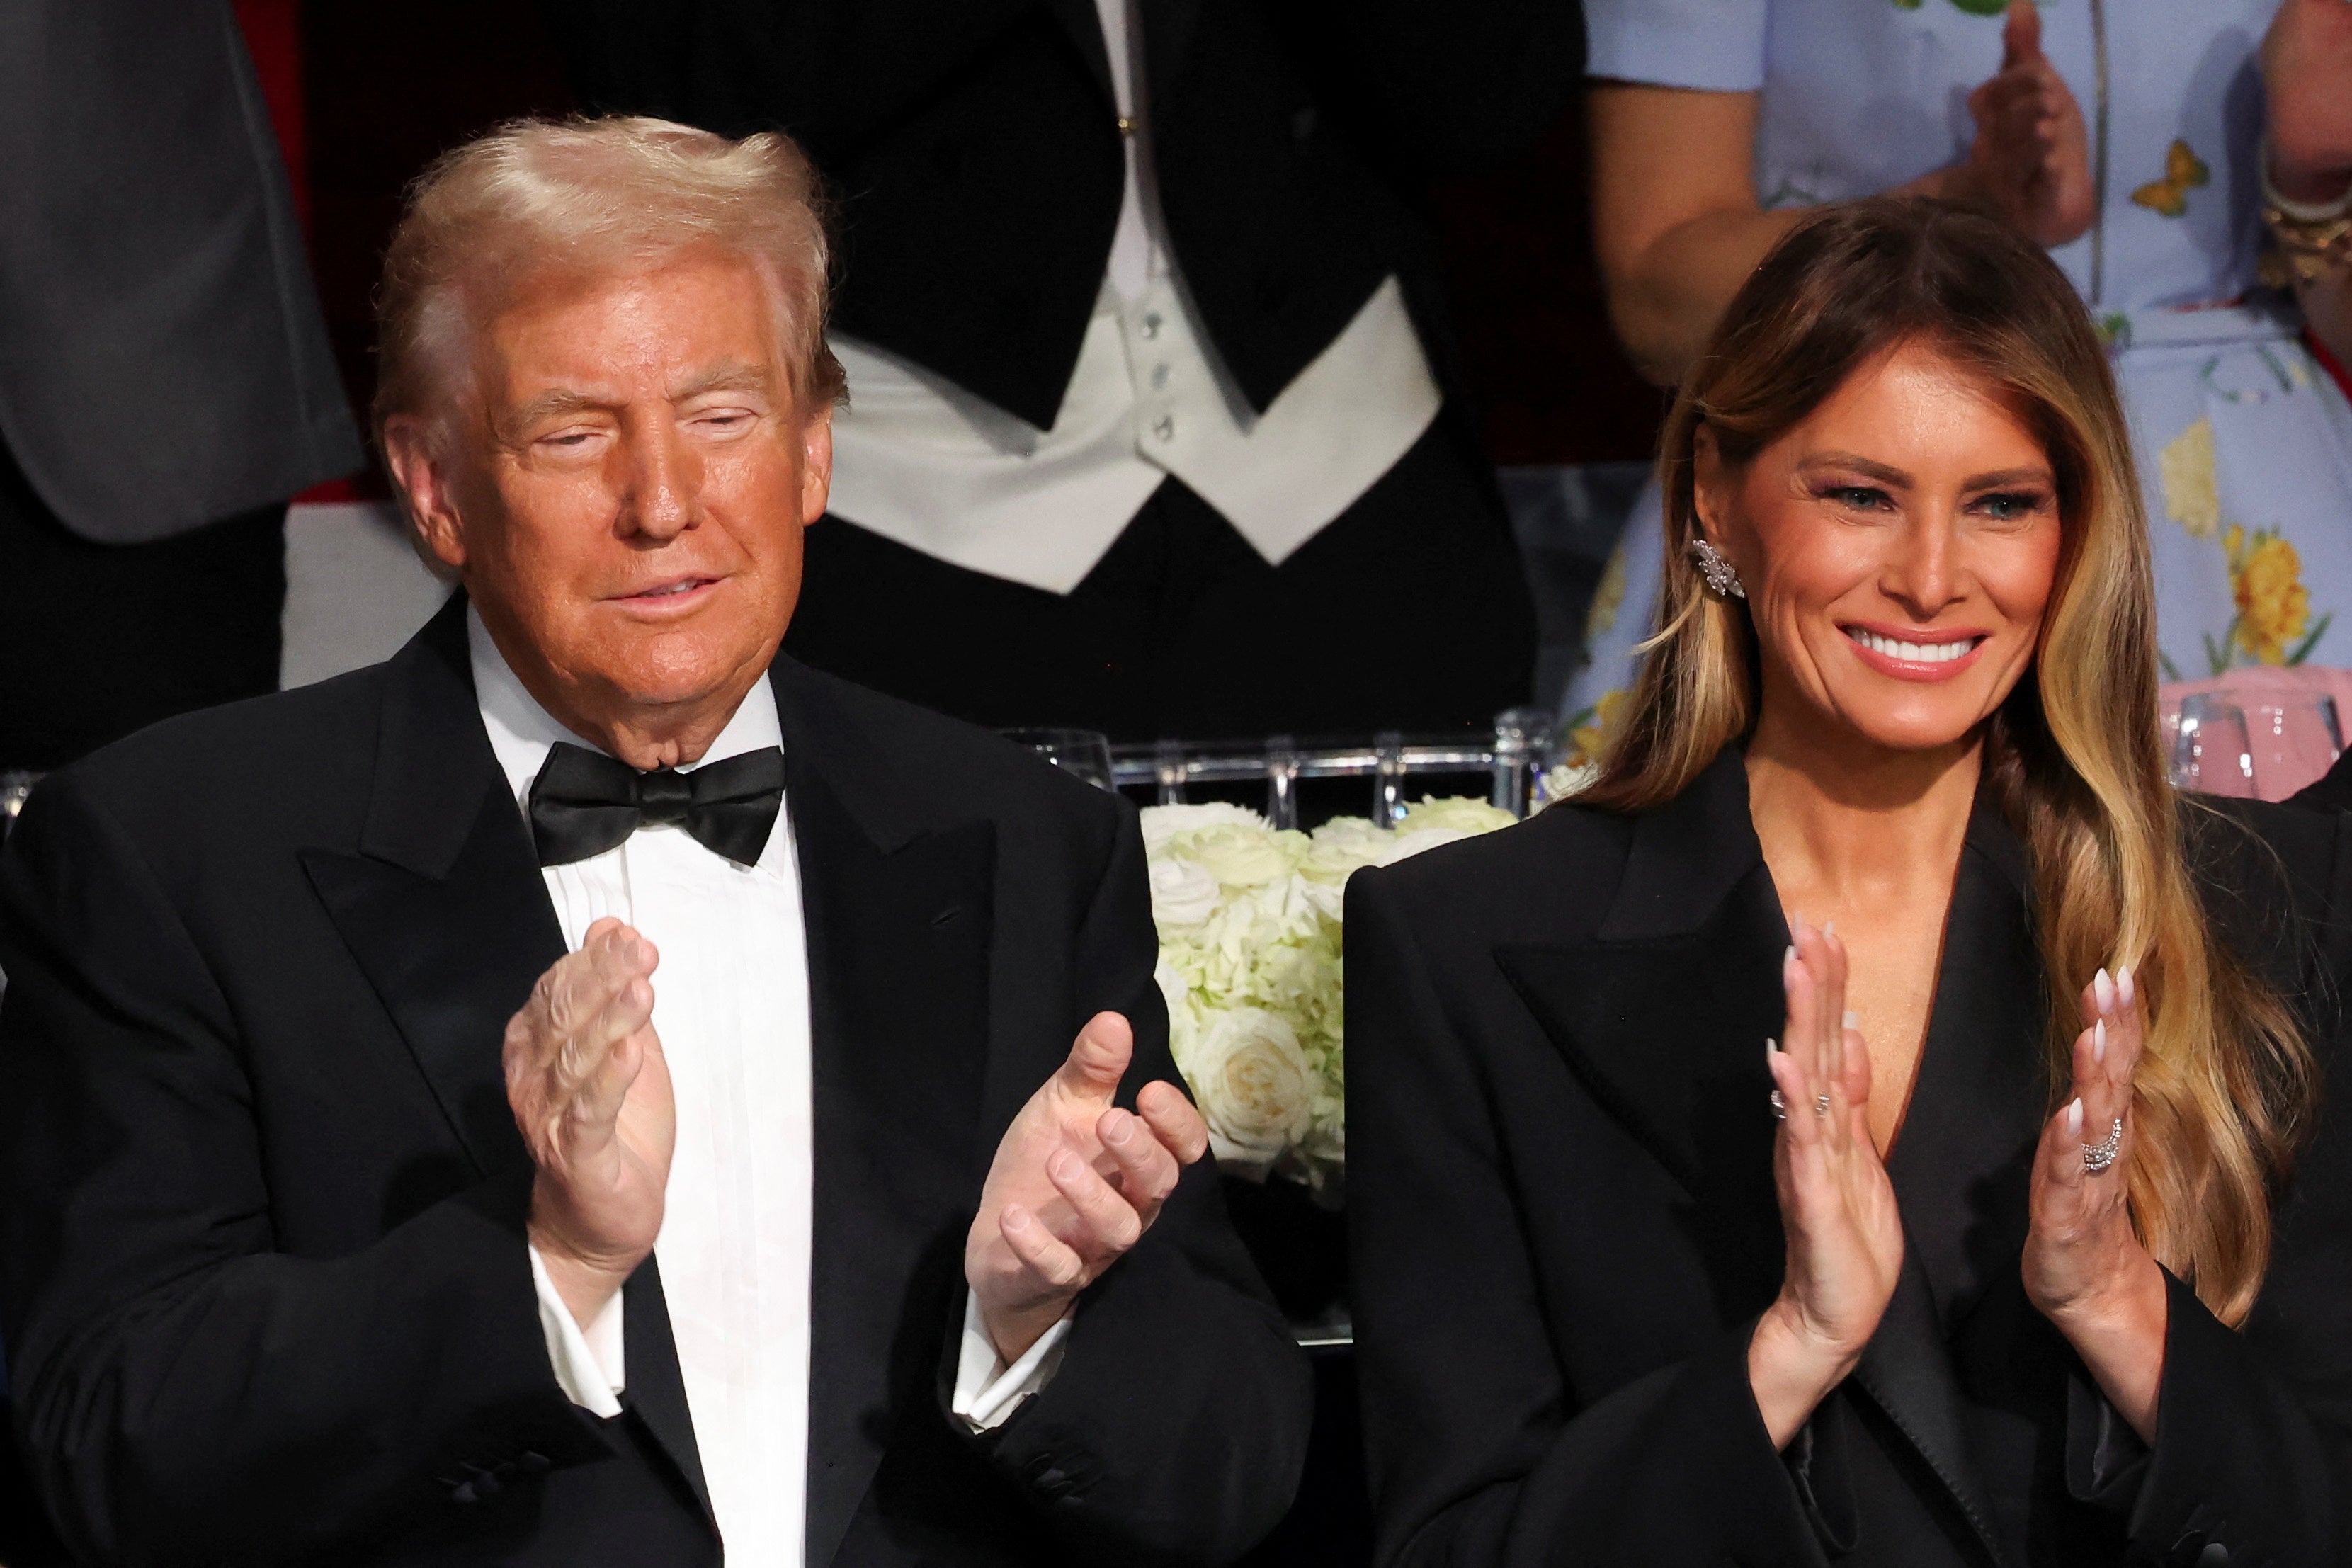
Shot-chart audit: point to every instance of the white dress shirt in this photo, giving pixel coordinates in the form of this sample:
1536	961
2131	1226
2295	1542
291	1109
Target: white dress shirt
924	462
731	1006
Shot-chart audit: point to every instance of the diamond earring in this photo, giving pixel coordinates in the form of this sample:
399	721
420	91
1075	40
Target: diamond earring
1718	572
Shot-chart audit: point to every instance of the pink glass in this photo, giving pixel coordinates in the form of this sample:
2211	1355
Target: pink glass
2213	752
2294	737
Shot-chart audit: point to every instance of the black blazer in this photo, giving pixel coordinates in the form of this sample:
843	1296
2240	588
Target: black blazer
975	150
1564	1228
262	1200
153	275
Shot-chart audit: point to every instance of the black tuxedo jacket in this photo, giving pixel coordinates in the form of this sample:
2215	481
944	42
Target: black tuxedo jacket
261	1201
974	147
1564	1228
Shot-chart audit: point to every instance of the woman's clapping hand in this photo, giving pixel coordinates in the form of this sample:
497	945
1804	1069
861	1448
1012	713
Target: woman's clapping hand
1837	1207
2308	83
2029	163
2084	1267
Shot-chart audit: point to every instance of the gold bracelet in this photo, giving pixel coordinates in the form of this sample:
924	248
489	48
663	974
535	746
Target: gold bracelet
2310	247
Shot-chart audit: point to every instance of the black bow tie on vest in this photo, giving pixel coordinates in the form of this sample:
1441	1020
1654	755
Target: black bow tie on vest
584	802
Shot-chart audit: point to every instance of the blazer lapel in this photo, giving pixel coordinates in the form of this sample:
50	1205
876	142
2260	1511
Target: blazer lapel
1963	1163
445	912
898	919
1663	1014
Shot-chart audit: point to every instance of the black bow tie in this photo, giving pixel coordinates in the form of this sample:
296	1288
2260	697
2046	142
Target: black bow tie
584	802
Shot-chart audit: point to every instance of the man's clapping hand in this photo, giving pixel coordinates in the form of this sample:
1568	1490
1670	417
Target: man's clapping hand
1077	1182
591	1091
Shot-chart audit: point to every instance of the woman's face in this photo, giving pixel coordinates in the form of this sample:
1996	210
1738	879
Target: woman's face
1897	547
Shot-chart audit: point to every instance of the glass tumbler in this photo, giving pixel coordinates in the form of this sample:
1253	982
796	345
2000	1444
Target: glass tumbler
2295	739
2213	753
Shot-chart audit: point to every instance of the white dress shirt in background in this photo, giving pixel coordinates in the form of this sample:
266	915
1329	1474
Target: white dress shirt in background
922	461
731	1006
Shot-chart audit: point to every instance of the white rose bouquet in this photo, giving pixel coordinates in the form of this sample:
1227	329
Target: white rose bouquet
1250	963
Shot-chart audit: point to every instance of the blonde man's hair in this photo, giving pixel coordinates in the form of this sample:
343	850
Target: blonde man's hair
2075	757
589	197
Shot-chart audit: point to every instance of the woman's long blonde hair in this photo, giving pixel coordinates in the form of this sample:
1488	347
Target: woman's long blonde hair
2074	755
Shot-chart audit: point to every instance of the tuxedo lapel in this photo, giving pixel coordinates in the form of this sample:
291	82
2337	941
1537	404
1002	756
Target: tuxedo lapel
445	912
443	907
899	918
657	1388
1167	27
1083	24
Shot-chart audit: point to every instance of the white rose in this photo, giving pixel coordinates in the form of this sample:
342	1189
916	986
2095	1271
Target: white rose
1240	854
1460	813
1162	823
1253	1085
1183	893
1411	842
1344	846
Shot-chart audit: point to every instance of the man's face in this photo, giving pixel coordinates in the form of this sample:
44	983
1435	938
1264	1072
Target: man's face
625	498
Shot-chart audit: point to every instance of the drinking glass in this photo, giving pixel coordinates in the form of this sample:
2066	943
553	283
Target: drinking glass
1086	752
2213	754
2295	739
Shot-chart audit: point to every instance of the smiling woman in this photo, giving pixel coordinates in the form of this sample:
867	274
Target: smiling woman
1943	1270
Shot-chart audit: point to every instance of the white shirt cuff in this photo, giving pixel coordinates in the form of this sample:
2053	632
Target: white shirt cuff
590	1366
988	1391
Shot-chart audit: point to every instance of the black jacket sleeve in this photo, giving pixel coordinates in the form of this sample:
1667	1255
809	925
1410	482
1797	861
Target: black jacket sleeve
1176	1427
2254	1442
1481	1452
183	1392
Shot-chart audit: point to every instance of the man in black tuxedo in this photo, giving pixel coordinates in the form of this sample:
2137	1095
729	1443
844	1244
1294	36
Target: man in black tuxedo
360	1202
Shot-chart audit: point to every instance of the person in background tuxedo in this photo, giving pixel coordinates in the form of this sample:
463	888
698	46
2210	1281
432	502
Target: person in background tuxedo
165	381
591	1089
2047	1258
1154	427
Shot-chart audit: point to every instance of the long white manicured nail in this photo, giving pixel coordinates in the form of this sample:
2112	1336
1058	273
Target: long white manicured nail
1829	929
1771	1049
1852	1019
2074	1117
2099	1041
2103	991
2123	993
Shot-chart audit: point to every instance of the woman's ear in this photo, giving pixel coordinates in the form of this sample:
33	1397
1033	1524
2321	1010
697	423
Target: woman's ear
1711	485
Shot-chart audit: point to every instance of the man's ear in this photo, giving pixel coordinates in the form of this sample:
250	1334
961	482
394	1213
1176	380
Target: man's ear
817	464
422	480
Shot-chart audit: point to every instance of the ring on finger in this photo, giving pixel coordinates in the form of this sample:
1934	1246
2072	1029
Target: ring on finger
1820	1105
2099	1156
1780	1107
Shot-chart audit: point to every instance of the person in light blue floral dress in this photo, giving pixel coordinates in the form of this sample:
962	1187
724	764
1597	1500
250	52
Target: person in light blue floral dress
2129	136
